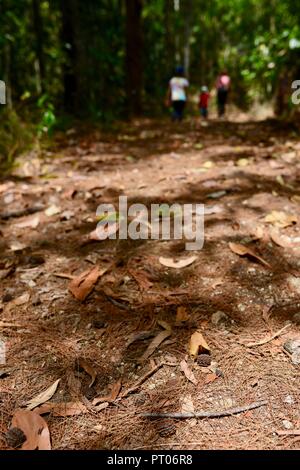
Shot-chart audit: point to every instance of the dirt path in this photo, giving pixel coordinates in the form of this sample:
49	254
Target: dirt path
242	172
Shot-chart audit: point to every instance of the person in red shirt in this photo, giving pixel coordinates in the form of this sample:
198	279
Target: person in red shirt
203	102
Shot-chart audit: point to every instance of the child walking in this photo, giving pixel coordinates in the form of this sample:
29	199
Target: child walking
203	102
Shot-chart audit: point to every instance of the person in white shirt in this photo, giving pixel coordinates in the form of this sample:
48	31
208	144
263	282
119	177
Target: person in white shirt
177	95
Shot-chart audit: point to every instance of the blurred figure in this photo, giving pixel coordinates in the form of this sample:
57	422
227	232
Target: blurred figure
203	102
177	96
223	86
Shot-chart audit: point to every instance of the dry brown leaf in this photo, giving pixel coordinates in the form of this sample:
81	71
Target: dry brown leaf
30	222
74	384
187	405
198	344
88	369
243	250
210	378
116	388
183	263
295	198
102	406
62	409
83	285
43	396
182	315
23	299
35	429
155	343
283	240
281	219
187	372
52	210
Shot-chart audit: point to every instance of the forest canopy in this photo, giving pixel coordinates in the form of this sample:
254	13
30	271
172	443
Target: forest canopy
107	58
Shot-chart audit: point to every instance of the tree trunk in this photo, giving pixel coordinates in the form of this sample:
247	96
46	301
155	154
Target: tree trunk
134	56
188	12
39	45
74	68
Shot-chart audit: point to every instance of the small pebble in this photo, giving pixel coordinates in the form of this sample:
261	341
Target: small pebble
289	400
287	424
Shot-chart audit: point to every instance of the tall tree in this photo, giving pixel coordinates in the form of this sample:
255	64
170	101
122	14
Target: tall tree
39	44
134	55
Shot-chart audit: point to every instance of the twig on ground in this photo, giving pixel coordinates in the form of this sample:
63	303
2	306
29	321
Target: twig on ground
269	338
144	378
206	414
290	432
4	324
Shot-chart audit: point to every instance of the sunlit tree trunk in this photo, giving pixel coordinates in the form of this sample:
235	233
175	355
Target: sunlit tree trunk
39	45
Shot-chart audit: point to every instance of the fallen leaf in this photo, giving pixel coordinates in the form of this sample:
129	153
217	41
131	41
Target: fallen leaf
210	378
155	343
116	388
182	315
62	409
187	372
281	219
23	299
283	240
29	222
88	369
216	194
17	246
198	344
74	384
183	263
295	198
243	162
243	250
209	210
35	429
208	164
83	285
102	406
52	210
43	396
187	405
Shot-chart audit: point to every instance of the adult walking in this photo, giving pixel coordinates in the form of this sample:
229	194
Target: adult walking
177	94
223	86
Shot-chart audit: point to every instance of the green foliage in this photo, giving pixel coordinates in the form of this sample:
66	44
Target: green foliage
258	41
15	137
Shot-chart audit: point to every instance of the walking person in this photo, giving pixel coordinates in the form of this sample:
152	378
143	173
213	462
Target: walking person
177	95
203	102
223	86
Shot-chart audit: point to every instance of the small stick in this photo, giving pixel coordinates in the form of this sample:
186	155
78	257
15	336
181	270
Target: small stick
290	432
206	414
143	379
4	324
268	339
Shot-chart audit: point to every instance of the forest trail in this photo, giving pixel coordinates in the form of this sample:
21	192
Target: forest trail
247	174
